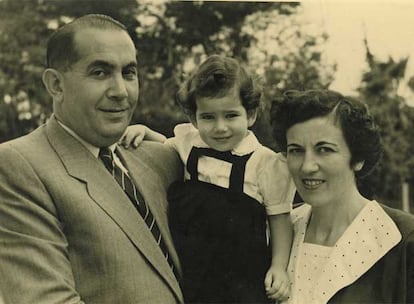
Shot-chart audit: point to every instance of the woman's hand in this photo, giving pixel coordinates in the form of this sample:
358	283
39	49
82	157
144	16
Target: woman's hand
135	134
277	283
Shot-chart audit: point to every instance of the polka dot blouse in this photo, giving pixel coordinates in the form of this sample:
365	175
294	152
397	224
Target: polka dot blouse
319	272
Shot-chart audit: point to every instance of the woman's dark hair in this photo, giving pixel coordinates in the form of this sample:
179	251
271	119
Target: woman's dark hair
215	78
360	132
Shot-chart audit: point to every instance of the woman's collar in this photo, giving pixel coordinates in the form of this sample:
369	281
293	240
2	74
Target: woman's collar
369	237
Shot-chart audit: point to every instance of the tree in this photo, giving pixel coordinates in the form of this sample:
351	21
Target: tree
24	29
172	37
395	119
22	32
289	55
177	36
181	39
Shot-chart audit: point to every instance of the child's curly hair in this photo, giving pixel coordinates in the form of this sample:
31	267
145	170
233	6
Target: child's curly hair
215	78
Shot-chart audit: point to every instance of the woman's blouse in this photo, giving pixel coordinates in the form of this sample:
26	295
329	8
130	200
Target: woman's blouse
266	179
369	237
313	257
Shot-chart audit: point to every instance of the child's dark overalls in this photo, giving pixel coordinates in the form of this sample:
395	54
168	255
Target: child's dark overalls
220	236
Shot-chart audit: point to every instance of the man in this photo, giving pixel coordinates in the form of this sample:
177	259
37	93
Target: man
69	233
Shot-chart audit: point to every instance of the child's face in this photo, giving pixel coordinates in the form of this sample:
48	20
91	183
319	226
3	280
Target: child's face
222	122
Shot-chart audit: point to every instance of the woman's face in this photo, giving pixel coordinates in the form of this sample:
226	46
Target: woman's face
319	161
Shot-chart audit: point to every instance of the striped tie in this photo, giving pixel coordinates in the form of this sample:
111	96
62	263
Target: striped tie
136	198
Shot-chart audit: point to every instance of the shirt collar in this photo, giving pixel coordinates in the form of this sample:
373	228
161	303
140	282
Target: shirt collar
91	148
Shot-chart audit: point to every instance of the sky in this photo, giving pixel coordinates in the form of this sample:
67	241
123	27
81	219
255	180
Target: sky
387	24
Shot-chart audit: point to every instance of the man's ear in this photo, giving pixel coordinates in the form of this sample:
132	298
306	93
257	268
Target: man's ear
358	166
251	117
53	81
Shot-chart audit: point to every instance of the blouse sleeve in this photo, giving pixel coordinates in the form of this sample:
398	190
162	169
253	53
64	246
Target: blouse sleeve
276	184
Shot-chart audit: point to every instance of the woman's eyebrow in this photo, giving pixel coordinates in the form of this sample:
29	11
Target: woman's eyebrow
322	143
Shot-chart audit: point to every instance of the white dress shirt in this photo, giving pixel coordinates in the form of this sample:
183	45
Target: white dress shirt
95	150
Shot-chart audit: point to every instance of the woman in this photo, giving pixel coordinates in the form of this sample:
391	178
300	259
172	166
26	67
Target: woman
347	248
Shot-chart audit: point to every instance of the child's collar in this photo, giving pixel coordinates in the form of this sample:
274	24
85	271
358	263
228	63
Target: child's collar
248	145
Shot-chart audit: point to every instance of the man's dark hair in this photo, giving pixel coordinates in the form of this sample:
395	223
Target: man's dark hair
61	50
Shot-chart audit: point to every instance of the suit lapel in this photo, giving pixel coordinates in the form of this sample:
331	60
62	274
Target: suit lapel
104	190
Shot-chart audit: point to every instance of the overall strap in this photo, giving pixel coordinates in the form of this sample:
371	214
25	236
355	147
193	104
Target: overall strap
236	181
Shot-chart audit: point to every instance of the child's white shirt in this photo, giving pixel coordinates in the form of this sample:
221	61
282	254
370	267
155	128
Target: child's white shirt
266	179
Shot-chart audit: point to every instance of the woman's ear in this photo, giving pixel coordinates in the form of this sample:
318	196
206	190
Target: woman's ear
358	166
251	117
52	79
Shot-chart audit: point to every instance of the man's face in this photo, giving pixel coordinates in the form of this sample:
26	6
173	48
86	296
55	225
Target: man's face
100	90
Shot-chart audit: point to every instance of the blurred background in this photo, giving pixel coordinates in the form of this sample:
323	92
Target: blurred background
362	49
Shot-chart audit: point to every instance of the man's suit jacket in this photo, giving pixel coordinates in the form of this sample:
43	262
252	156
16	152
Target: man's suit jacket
69	234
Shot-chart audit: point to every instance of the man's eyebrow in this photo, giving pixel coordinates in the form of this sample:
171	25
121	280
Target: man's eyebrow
100	63
132	64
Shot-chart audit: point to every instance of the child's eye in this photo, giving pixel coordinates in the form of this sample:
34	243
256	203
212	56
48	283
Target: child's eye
206	117
294	150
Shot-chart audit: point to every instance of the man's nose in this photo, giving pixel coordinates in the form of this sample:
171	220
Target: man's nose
117	88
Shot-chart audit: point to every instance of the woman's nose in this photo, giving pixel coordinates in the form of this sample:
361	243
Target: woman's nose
310	163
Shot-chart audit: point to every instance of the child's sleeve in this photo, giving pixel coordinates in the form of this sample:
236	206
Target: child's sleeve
276	184
181	133
182	139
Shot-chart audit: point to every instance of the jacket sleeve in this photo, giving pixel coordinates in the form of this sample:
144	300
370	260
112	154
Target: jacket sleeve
409	257
34	264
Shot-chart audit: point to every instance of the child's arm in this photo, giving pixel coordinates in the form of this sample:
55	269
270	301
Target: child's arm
135	134
277	282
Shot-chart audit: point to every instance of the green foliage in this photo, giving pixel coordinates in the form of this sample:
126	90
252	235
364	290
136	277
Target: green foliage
177	36
172	37
396	120
289	55
23	31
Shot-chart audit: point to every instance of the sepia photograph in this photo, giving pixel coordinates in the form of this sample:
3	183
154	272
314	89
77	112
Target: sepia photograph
165	151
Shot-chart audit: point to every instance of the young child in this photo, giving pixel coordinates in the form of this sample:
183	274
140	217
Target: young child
218	213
